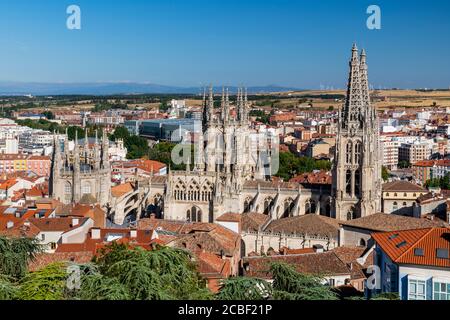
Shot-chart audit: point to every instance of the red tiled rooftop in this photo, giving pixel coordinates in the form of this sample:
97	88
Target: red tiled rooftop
401	246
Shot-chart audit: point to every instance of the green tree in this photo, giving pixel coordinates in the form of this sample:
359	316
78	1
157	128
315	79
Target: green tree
288	284
15	254
404	164
137	147
244	288
8	290
162	273
385	173
291	165
48	283
49	115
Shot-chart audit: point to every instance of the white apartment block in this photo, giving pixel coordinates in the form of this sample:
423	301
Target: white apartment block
389	150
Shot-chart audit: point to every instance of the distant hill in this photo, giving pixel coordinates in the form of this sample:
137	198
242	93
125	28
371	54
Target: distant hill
25	88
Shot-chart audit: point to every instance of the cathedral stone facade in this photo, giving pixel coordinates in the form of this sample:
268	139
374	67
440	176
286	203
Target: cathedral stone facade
357	166
81	175
232	167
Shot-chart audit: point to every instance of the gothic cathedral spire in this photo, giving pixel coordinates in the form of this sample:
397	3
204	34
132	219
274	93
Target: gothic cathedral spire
357	166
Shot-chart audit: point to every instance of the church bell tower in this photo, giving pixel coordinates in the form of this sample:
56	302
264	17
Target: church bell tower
357	161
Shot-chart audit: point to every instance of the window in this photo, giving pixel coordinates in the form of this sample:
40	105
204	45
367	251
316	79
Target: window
394	206
87	188
43	237
349	153
441	291
417	290
68	188
442	253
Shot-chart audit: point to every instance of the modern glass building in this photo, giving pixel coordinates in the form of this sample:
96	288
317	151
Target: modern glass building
163	129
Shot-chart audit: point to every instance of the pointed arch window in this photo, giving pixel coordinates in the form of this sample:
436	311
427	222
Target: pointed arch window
194	214
358	151
349	152
357	182
288	207
348	182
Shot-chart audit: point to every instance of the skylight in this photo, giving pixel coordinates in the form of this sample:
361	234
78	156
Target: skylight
418	252
442	253
401	244
392	237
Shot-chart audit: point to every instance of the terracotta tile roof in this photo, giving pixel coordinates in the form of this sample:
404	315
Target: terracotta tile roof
403	186
47	158
392	222
349	255
155	224
18	229
211	237
147	165
121	189
287	251
37	191
56	224
423	163
253	221
311	224
321	177
143	239
418	247
45	259
326	263
211	265
5	185
230	217
431	163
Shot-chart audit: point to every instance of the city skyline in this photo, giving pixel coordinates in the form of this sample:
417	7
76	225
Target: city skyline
289	43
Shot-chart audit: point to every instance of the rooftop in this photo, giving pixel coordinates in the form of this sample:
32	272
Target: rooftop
392	222
430	246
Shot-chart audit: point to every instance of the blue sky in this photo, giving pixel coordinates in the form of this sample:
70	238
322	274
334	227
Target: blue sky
304	44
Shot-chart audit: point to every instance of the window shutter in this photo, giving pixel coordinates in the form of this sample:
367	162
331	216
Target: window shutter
429	289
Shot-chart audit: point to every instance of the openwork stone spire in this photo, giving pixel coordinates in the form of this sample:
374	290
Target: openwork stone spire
353	105
357	166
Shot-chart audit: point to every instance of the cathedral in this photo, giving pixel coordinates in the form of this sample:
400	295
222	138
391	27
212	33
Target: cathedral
232	168
81	175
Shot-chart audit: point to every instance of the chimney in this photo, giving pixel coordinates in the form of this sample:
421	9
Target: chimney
75	222
9	224
26	223
318	248
95	233
133	233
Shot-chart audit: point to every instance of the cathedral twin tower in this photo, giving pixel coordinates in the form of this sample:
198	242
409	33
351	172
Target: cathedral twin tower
357	164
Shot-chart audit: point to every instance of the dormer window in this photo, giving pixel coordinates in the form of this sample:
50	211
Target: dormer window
442	253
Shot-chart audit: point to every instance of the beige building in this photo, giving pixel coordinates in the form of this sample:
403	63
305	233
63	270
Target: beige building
318	147
414	152
399	197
